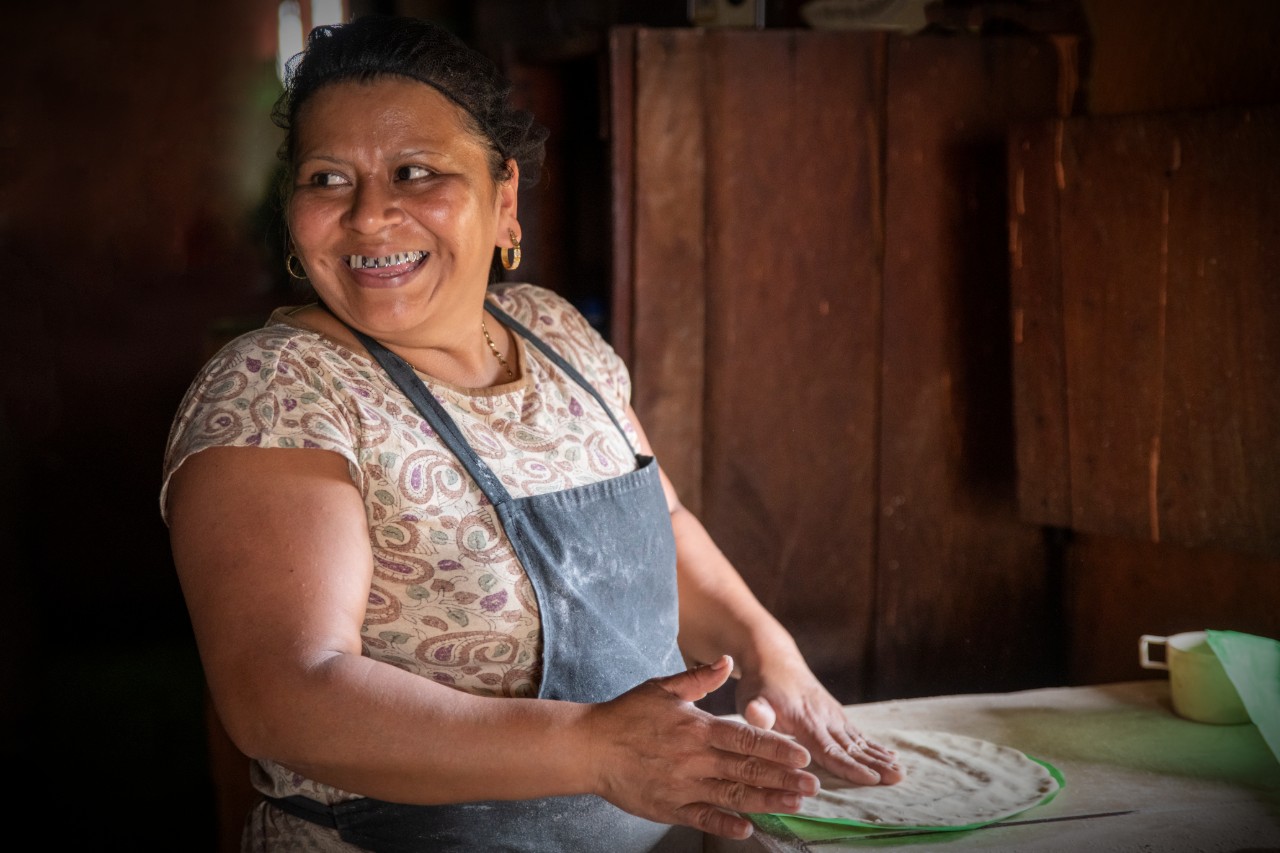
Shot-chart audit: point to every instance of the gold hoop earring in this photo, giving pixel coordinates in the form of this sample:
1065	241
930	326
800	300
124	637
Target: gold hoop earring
288	265
511	257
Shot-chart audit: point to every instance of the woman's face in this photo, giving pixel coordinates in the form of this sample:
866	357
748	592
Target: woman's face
394	211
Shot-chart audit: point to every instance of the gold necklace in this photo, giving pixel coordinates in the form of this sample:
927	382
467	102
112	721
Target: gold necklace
510	373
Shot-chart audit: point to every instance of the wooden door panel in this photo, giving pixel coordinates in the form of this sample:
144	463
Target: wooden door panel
817	322
963	585
1039	361
1218	482
1162	237
792	328
668	208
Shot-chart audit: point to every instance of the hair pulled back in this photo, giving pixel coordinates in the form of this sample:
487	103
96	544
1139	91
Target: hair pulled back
376	46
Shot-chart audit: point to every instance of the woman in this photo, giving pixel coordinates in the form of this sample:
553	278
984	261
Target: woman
435	576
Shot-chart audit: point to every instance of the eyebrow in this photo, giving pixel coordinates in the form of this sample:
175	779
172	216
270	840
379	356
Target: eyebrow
398	155
325	157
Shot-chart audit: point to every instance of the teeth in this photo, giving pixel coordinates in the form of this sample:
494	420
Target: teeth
360	262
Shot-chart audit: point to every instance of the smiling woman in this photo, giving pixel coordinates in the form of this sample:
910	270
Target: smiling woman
444	597
395	218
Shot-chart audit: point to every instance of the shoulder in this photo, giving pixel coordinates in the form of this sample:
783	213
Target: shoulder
279	338
557	322
552	318
535	306
275	386
279	357
245	352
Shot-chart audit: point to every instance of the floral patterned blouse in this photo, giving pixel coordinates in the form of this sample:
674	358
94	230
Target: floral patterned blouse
449	600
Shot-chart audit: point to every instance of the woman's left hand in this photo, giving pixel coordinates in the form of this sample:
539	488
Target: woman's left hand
790	699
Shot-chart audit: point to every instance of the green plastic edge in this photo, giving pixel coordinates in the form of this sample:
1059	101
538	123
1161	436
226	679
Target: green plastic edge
1053	771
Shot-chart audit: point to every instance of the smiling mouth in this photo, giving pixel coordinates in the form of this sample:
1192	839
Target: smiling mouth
399	259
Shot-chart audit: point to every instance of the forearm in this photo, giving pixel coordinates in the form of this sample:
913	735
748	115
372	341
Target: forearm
372	729
272	550
718	612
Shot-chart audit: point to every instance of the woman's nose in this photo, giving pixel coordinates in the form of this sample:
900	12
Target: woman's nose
373	208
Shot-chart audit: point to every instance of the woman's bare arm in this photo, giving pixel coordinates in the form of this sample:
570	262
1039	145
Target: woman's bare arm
720	615
273	554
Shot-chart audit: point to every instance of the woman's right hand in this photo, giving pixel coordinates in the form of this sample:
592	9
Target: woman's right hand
655	755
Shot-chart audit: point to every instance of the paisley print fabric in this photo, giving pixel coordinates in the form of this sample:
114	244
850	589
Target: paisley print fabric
448	599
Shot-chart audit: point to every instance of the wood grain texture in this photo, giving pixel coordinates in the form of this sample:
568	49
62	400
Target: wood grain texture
1169	250
668	254
1114	205
622	141
791	324
1039	357
792	329
1118	589
963	585
856	430
1162	55
1218	484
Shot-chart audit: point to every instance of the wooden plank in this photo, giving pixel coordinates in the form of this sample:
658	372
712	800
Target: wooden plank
1218	477
1118	589
792	330
1039	359
1171	292
1112	267
1161	55
668	255
621	122
963	585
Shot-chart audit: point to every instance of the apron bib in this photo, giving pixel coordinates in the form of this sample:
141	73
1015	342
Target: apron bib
601	559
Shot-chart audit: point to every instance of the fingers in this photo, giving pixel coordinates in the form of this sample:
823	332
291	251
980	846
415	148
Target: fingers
714	821
746	740
658	756
852	757
757	773
760	713
723	802
696	683
882	759
885	763
717	796
744	799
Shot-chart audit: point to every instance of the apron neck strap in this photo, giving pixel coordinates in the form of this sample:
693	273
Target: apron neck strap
561	363
403	375
407	380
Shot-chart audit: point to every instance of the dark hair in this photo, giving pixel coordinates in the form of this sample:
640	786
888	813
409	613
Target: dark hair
375	46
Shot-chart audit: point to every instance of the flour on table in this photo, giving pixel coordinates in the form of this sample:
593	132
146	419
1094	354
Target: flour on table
951	780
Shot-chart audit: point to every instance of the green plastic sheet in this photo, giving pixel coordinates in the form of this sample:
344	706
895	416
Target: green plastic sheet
815	828
1253	665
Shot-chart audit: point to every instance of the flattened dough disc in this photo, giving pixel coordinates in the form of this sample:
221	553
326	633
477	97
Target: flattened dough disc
951	781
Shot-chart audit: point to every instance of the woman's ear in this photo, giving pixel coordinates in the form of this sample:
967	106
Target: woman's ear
508	202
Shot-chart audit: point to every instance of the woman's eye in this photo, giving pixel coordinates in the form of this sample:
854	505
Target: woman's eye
412	173
327	179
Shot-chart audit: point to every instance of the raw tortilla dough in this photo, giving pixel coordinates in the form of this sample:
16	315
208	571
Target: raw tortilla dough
951	780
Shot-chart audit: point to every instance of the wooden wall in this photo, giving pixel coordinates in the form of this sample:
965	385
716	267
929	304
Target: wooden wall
1145	253
1215	566
1150	56
811	291
723	250
757	308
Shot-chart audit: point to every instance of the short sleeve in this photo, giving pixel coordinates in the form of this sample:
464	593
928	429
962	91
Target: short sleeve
268	388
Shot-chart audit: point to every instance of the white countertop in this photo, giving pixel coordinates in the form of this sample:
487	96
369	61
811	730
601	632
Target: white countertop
1137	777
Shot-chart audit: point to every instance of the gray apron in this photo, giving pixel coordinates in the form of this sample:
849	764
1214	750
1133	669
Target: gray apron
601	559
